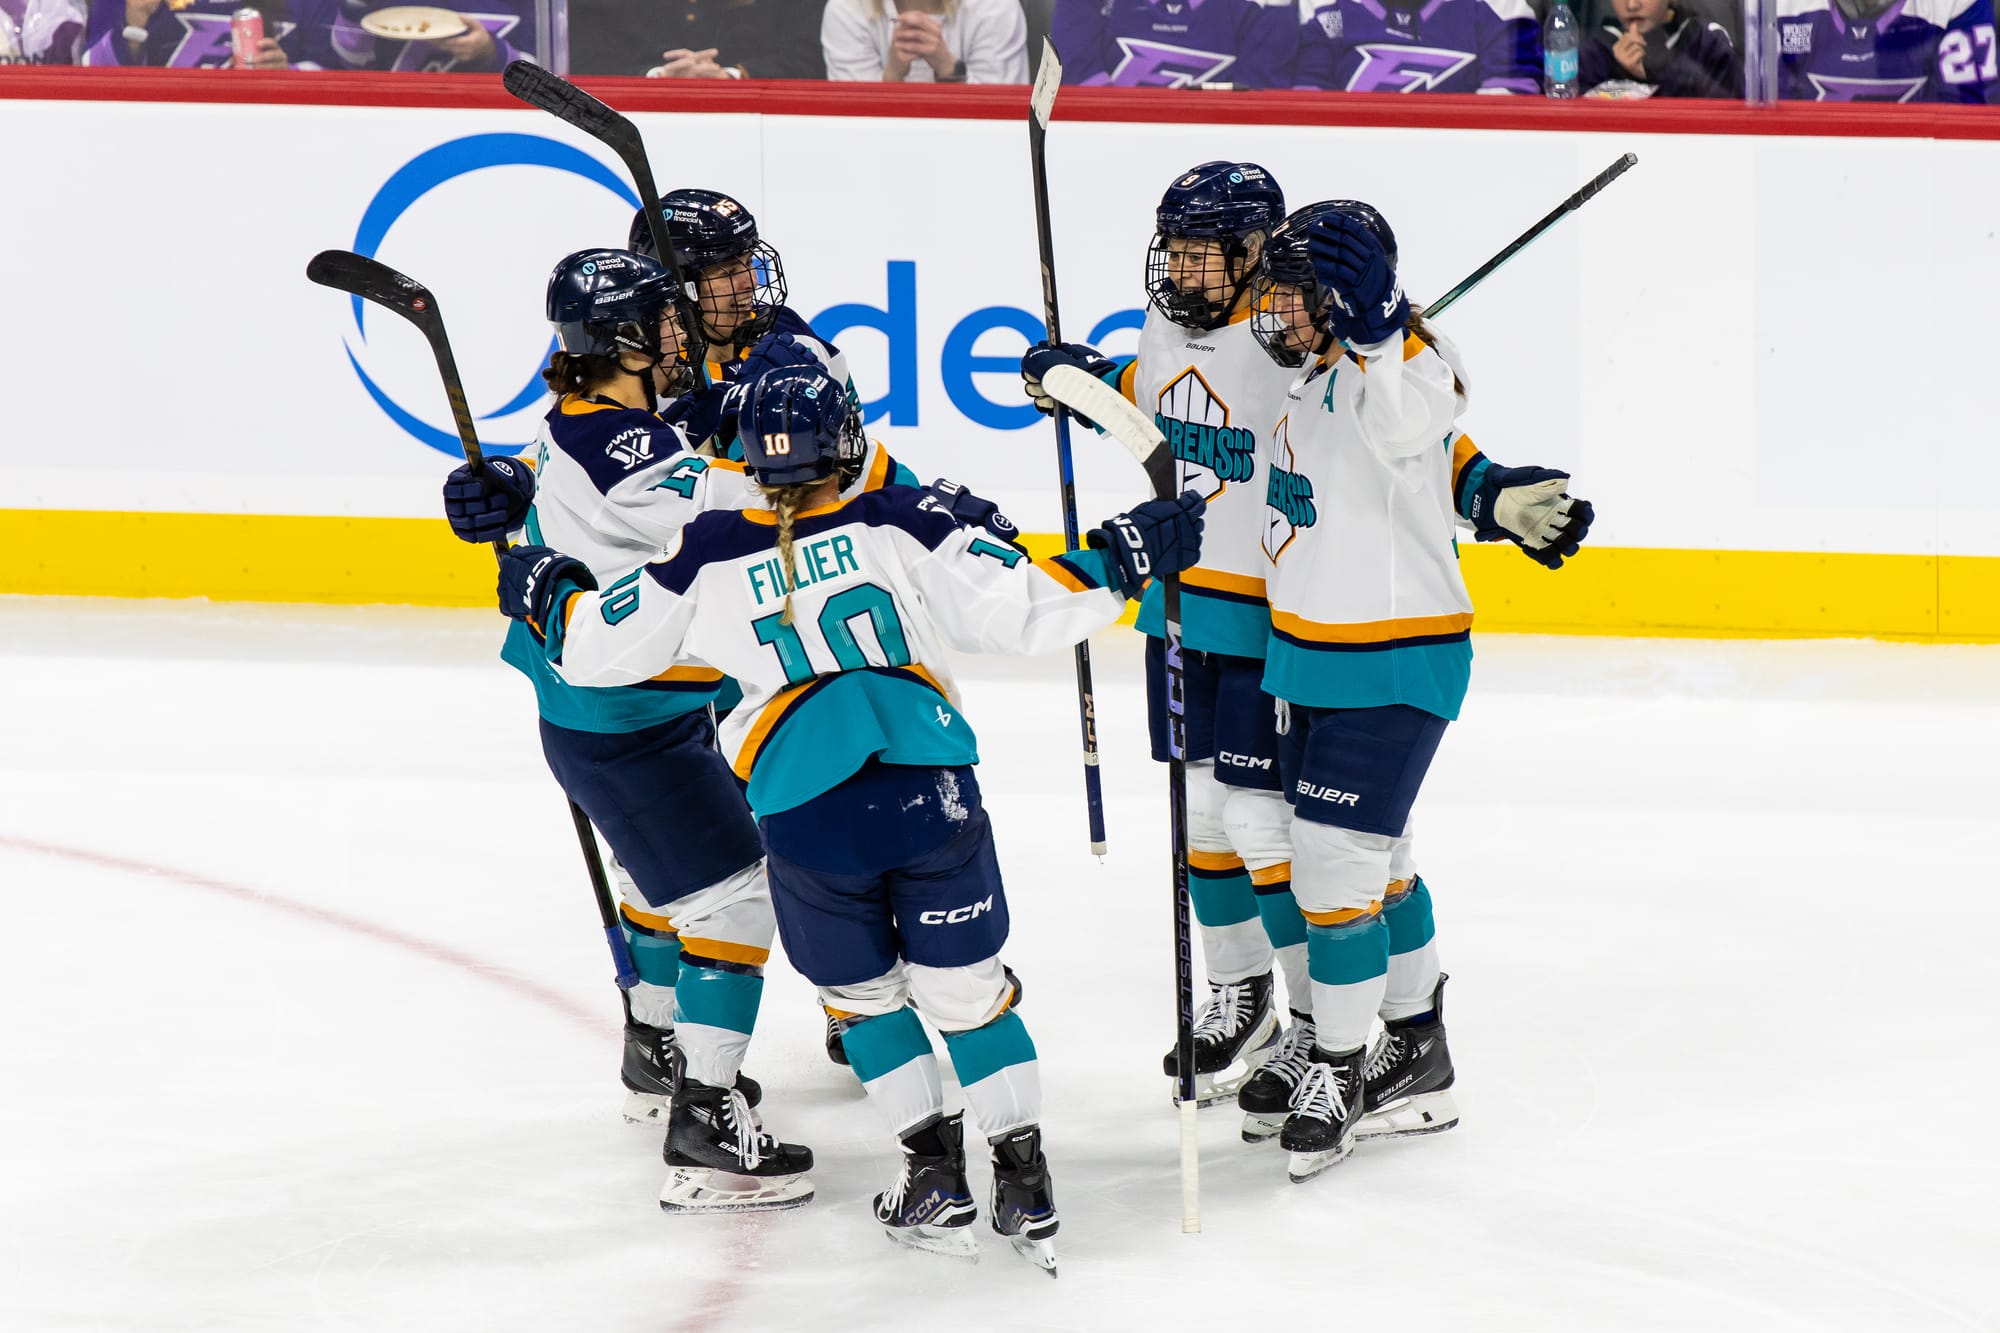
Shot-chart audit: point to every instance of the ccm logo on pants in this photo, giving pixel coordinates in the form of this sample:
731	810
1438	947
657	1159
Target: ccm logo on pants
958	915
1328	794
1242	760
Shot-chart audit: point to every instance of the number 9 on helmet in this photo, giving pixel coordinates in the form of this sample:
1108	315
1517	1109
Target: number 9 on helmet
797	425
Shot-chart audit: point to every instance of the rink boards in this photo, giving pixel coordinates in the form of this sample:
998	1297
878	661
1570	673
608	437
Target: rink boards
1764	353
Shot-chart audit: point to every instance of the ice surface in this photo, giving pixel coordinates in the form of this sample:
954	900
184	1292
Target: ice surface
305	1021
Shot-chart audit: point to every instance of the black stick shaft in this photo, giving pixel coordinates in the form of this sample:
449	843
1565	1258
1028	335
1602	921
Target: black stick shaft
1533	234
1086	694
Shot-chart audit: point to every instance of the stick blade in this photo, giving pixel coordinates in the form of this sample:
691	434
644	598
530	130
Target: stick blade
372	280
568	103
1042	101
1091	397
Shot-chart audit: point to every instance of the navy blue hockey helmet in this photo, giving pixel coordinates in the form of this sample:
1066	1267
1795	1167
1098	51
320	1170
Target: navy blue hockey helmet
740	280
1193	284
1285	300
798	425
603	302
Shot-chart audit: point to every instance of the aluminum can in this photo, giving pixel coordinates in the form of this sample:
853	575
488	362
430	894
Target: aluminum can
246	31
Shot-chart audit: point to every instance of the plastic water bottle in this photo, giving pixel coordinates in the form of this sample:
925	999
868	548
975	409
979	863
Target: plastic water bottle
1559	42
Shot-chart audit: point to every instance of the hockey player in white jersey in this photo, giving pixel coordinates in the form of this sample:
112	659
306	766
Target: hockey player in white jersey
1370	650
834	614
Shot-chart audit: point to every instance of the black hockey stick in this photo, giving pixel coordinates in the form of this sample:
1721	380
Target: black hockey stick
1533	234
376	282
1040	105
575	107
1129	426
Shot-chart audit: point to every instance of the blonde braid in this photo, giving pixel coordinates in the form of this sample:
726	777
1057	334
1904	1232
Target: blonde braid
787	501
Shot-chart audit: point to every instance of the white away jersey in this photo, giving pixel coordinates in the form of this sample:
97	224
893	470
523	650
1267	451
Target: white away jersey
1214	394
885	582
1367	605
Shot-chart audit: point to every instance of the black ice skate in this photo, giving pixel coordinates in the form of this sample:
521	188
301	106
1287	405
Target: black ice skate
652	1066
720	1162
930	1206
1024	1205
1266	1098
1320	1130
1233	1034
1409	1078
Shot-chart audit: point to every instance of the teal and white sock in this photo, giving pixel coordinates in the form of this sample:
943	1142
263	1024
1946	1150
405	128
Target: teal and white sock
1349	962
999	1074
656	956
1413	956
892	1057
1285	930
1232	942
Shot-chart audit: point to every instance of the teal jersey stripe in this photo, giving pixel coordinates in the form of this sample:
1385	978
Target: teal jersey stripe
986	1051
717	999
849	719
1209	624
878	1046
1432	676
899	475
613	709
1344	955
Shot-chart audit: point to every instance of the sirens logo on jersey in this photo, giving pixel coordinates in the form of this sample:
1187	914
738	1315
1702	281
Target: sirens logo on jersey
399	194
1288	496
1212	453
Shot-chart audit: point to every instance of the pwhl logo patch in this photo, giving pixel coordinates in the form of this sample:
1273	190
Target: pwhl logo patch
417	178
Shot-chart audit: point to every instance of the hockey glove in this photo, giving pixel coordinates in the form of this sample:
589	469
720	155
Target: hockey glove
1530	507
1157	538
1368	304
772	351
1039	359
487	503
536	579
973	512
707	413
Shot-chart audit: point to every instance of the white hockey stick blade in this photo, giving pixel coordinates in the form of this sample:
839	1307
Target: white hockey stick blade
1042	101
1091	397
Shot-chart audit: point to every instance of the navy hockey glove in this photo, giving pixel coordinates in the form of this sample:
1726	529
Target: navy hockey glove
1157	538
1038	360
1530	507
487	504
707	413
973	512
534	578
1368	304
772	351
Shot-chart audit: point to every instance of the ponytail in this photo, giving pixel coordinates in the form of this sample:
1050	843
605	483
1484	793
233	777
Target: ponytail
570	372
1429	339
787	501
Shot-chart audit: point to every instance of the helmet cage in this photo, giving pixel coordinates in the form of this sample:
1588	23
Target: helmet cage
1197	308
722	316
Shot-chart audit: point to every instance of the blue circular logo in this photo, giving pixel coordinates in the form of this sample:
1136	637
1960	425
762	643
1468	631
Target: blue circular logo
417	178
589	267
1235	178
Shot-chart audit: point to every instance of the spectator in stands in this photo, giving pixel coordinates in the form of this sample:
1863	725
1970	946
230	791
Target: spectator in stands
697	39
1176	43
1887	50
41	32
925	41
484	45
1649	48
1421	46
195	35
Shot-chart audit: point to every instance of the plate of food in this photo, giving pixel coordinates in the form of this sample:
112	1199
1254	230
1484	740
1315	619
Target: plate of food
413	23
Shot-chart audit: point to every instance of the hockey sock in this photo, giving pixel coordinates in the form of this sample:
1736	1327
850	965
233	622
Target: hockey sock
1232	943
656	956
1348	954
1285	928
715	1006
892	1058
998	1073
1413	956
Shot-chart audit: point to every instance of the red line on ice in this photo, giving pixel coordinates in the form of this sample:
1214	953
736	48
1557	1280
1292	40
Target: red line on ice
354	925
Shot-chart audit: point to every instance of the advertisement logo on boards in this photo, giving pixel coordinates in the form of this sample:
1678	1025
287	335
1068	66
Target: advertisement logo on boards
410	183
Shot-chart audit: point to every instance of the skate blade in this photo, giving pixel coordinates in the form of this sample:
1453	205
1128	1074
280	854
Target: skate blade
1258	1129
1426	1113
1305	1165
696	1189
1223	1085
645	1108
950	1242
1040	1253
